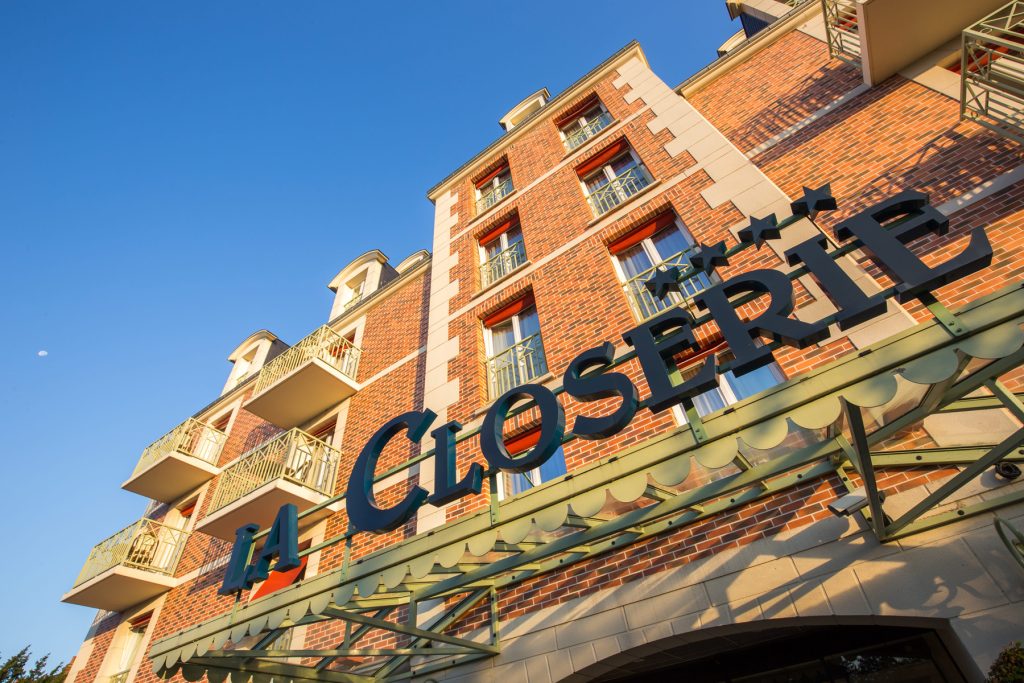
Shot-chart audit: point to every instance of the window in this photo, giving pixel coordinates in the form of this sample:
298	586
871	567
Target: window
493	187
501	251
612	177
354	292
131	646
731	388
513	483
514	351
583	123
663	242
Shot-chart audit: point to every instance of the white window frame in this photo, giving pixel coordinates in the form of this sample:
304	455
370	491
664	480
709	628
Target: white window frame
502	239
609	174
582	120
517	333
494	182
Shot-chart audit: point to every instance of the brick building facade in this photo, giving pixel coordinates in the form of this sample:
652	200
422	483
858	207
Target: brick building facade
717	525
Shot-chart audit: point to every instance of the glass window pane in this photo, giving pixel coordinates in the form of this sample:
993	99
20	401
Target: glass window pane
670	242
624	162
634	261
596	181
502	337
529	325
553	468
755	381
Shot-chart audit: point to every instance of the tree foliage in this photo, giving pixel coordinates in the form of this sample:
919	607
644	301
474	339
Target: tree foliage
1009	665
16	669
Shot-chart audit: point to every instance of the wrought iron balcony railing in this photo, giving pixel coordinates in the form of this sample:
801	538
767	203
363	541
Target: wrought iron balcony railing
191	437
121	677
503	263
293	455
494	195
841	29
608	196
645	304
992	72
516	365
351	303
146	544
585	132
324	344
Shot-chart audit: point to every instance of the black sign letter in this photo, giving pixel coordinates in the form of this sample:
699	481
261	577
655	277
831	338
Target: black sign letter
597	387
900	263
655	345
552	428
363	512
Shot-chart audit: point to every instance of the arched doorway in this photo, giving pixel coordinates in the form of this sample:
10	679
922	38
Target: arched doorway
797	650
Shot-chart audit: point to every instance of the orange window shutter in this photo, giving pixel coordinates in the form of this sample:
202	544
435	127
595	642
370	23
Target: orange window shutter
603	157
506	312
491	176
278	580
574	112
497	230
642	232
520	443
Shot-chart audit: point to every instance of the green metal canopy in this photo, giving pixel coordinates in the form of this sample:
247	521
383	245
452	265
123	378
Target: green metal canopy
820	423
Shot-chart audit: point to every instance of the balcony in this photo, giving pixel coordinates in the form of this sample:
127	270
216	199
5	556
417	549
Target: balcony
121	677
494	195
992	72
584	133
178	462
614	192
515	365
645	305
841	29
134	565
502	263
309	378
293	467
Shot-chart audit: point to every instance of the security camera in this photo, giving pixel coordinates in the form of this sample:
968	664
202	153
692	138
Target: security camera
852	502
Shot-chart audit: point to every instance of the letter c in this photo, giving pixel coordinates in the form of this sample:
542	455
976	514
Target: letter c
363	511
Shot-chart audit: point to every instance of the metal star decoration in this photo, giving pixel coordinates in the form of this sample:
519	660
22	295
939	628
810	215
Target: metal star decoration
663	281
760	229
814	201
706	257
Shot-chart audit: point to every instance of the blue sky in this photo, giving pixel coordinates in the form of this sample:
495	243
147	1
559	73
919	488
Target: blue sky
176	175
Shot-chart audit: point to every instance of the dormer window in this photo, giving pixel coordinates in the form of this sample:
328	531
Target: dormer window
583	123
354	292
493	187
612	177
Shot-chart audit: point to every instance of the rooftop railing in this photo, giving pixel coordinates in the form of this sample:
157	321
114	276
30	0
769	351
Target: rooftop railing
516	365
841	29
587	131
147	544
503	263
293	455
616	191
494	195
191	437
992	72
645	304
324	344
